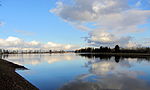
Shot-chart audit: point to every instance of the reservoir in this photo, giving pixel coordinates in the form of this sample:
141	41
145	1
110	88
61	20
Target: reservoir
70	71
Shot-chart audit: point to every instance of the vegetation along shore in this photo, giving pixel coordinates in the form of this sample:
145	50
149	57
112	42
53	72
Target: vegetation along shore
144	51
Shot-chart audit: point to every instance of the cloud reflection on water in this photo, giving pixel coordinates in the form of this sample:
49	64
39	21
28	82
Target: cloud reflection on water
120	82
103	72
34	59
109	74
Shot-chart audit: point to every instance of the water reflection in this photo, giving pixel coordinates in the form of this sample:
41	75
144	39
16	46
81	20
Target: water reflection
117	58
84	71
112	72
35	59
112	82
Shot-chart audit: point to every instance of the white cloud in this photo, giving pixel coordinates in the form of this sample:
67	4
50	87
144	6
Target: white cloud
17	43
115	18
88	10
97	38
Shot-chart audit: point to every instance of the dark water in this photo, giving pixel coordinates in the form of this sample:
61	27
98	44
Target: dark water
84	72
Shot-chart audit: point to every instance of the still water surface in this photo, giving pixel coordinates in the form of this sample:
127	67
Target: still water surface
84	72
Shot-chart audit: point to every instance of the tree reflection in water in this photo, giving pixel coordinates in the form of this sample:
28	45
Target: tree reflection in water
110	73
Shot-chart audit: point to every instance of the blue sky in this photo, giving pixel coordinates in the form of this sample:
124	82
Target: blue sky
30	20
34	16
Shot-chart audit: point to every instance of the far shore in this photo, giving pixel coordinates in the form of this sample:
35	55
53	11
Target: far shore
103	53
10	80
120	54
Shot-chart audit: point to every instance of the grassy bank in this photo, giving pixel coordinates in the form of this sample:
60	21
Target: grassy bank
10	80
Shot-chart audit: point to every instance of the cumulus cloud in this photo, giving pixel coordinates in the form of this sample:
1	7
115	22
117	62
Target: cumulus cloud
97	38
17	43
114	18
88	10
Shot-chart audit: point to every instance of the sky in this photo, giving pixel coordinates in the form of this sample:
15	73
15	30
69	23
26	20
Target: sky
72	24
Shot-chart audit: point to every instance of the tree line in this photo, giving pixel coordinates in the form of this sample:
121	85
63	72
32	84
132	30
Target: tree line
4	51
116	49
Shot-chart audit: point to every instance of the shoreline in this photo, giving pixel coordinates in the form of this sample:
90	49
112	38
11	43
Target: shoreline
119	54
10	80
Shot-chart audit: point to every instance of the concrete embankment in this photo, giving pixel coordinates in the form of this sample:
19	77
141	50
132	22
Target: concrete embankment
10	80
